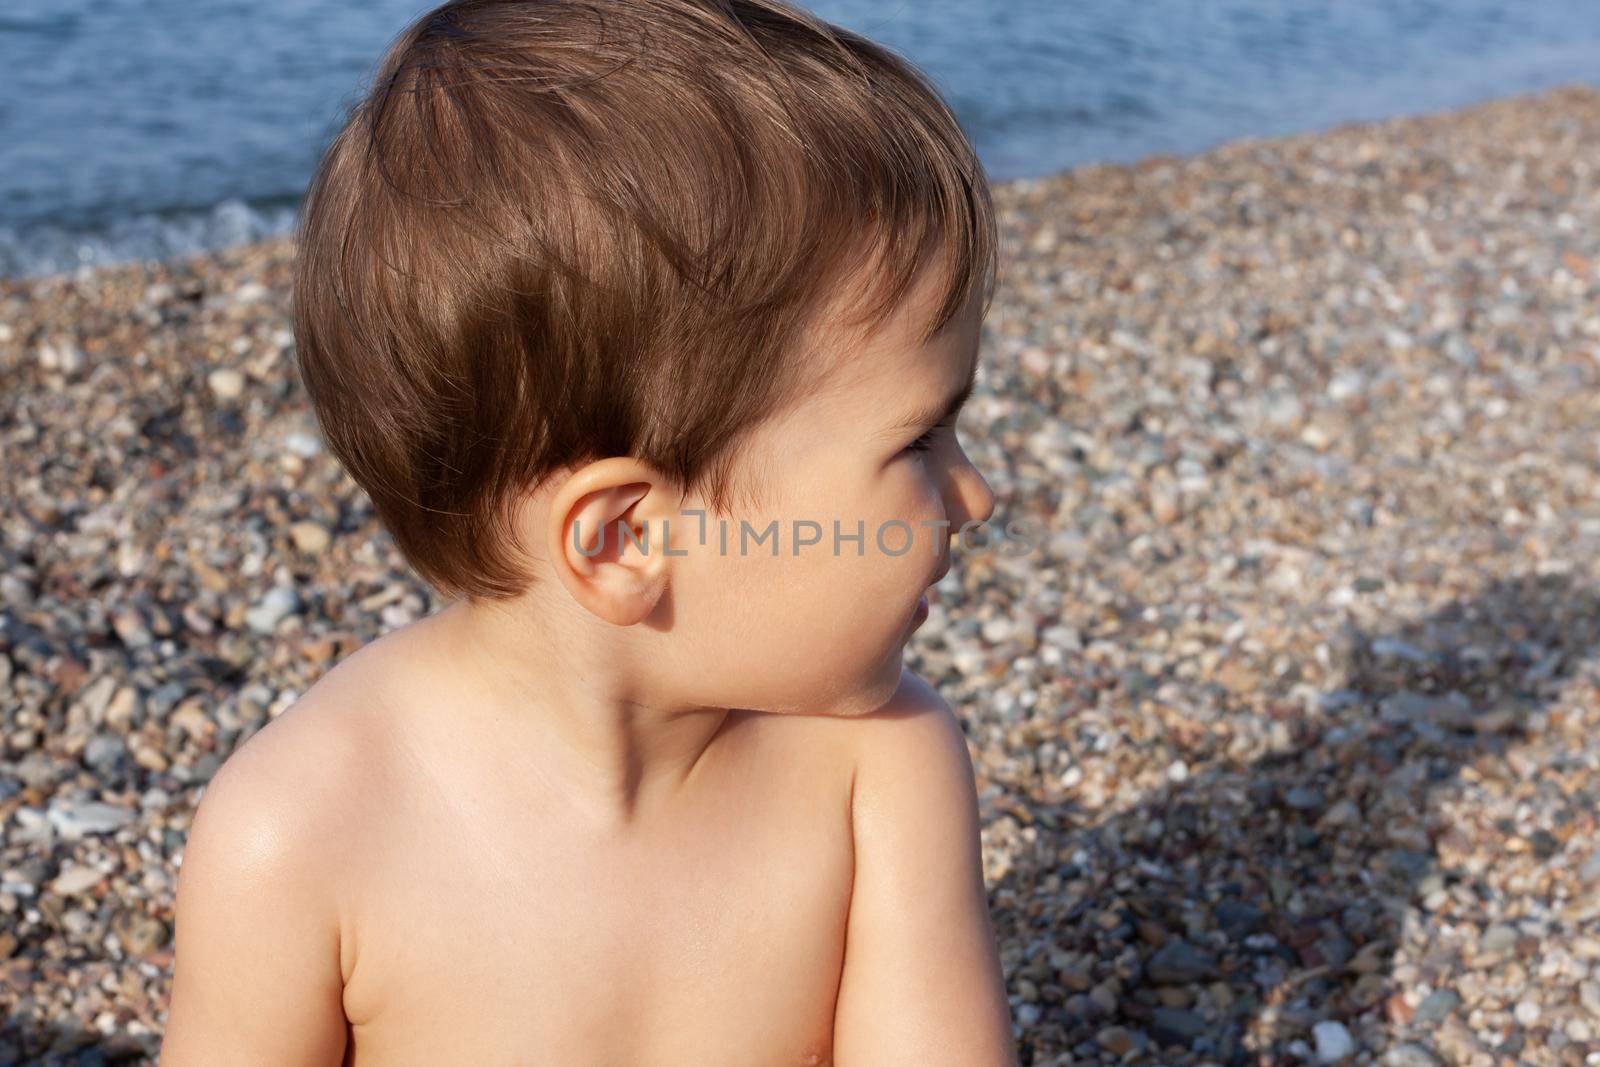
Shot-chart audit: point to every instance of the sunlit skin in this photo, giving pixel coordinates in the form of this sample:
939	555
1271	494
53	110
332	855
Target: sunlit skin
662	809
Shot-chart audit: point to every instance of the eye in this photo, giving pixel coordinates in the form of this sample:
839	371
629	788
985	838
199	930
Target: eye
924	441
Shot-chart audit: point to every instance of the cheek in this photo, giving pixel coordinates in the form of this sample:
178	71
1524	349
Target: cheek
897	514
819	631
911	493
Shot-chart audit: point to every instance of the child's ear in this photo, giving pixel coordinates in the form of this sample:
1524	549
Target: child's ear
607	538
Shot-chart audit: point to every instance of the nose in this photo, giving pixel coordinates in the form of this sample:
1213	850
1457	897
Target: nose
972	498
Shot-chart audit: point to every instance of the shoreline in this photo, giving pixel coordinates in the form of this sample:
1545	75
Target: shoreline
195	217
1282	738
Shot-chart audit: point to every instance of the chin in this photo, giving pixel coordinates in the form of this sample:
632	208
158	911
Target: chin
871	694
883	684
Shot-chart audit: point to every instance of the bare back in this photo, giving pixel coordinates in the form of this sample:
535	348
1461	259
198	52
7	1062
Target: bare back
493	923
384	875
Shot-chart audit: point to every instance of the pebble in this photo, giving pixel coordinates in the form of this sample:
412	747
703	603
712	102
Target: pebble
104	750
1179	962
1497	940
1436	1006
226	383
302	444
1334	1042
74	880
1301	798
140	934
1410	1055
1238	918
310	537
81	818
1116	1040
279	602
1174	1026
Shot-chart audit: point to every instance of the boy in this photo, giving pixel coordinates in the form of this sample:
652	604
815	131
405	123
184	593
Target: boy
586	290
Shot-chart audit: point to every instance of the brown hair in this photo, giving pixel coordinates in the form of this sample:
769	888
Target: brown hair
558	230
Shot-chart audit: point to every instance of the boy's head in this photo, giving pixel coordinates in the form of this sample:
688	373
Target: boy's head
674	233
596	261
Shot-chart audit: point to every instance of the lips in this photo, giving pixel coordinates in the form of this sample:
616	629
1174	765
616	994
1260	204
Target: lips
920	612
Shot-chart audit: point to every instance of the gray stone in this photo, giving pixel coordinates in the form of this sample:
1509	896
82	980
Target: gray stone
83	818
1410	1054
279	602
1436	1006
1334	1042
1175	1026
1178	962
1496	940
1238	918
103	751
1304	798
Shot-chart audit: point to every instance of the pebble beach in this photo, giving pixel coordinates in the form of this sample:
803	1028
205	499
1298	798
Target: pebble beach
1284	734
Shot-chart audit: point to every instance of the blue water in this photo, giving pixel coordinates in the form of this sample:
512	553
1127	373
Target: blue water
148	128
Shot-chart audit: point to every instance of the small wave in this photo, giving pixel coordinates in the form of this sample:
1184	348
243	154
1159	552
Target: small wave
43	248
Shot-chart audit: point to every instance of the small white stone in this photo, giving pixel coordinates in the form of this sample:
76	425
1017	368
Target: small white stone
304	445
82	819
74	880
1334	1042
280	601
996	631
226	383
969	661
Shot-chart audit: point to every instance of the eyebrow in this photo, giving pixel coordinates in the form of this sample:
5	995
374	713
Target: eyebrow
939	411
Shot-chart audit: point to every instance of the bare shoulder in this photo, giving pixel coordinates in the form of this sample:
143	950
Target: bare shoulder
296	799
287	800
899	737
263	891
915	741
296	765
922	982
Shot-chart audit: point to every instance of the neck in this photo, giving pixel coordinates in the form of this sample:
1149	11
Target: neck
572	688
